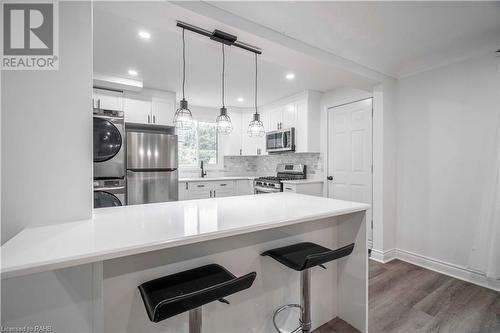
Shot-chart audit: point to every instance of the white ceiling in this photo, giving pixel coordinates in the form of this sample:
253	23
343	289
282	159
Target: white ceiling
394	38
118	48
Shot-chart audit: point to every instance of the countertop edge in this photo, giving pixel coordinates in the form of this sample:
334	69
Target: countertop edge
123	252
303	181
214	179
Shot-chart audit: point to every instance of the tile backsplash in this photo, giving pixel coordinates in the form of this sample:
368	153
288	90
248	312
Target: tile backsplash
265	165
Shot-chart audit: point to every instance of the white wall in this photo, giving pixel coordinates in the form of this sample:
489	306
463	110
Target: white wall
47	133
384	168
47	172
446	125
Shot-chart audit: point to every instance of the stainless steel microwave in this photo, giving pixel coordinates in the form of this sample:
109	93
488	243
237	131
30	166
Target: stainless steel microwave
281	140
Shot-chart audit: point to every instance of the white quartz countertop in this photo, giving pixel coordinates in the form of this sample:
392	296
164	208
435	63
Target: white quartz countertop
207	179
122	231
302	181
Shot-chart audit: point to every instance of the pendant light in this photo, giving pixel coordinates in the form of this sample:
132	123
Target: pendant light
183	119
256	127
223	122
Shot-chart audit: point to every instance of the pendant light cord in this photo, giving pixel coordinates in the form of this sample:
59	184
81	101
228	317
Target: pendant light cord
183	64
223	73
256	83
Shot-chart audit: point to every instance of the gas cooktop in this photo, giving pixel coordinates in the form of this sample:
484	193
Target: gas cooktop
271	184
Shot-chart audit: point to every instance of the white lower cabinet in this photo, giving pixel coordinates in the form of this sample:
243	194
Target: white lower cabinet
205	189
315	188
244	186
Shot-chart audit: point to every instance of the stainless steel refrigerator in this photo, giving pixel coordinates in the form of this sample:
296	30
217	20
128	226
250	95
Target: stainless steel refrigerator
152	174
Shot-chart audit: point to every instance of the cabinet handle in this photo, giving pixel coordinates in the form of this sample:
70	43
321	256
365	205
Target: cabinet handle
187	185
149	119
223	184
214	194
200	185
241	152
288	188
154	119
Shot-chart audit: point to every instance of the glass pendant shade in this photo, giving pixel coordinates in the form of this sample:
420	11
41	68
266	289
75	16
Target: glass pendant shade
223	122
256	127
183	117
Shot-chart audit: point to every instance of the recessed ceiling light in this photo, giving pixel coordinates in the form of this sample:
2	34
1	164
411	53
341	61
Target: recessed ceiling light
290	76
132	72
144	34
240	99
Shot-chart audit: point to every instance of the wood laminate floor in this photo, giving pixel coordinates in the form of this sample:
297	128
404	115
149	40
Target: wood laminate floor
404	298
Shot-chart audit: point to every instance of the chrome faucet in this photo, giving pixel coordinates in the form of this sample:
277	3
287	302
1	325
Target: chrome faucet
203	172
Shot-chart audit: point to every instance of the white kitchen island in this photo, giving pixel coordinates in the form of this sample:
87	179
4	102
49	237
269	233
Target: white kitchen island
126	246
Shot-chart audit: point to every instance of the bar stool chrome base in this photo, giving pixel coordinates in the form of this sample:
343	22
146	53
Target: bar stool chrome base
195	320
304	306
303	257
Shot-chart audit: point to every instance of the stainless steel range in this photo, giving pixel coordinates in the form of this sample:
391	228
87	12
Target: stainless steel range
274	184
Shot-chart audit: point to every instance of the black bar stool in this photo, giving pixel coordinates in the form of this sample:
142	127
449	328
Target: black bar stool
302	257
189	290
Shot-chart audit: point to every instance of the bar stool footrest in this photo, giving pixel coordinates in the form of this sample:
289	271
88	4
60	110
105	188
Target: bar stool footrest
281	309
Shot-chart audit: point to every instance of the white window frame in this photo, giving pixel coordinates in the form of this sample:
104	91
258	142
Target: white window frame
220	154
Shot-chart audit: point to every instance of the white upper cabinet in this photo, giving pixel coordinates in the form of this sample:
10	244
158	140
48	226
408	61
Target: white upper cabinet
137	110
251	146
275	119
107	99
238	142
232	141
283	116
150	107
162	111
301	111
289	116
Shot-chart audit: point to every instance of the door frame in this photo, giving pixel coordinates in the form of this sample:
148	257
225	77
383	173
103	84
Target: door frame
329	111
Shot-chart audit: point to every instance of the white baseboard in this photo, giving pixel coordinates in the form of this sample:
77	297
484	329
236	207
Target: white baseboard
383	256
455	271
458	272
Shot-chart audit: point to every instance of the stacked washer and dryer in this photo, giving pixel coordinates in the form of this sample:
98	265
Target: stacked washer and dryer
145	172
109	158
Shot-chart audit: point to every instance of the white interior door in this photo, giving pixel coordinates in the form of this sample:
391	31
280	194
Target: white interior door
350	154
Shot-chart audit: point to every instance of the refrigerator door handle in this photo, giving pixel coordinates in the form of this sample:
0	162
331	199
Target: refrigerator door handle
153	170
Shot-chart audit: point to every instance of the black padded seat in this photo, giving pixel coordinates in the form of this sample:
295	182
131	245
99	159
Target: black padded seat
173	294
305	255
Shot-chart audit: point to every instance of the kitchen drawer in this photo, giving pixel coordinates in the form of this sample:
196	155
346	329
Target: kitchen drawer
223	184
194	186
315	188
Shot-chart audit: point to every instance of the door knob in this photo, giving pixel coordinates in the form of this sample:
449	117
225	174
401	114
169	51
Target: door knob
329	178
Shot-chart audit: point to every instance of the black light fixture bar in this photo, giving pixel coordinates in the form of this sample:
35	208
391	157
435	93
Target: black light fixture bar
219	36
